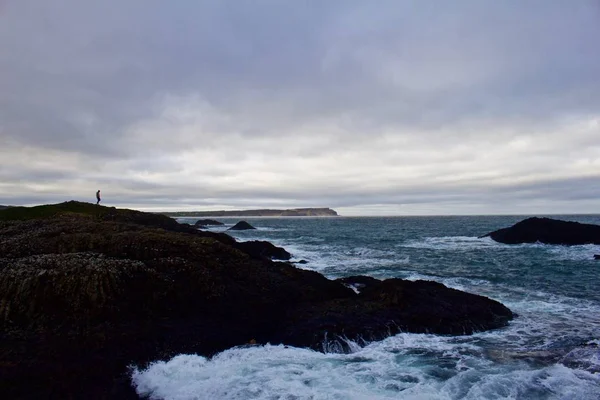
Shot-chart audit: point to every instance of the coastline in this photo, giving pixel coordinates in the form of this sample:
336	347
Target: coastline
88	291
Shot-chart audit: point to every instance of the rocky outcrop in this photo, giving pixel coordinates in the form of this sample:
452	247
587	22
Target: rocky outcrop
241	226
548	231
86	291
207	222
384	308
258	249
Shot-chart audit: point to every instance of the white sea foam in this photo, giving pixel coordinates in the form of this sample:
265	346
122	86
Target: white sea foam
469	243
452	243
578	253
334	261
406	366
549	351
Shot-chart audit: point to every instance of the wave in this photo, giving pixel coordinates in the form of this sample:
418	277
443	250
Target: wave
549	351
407	365
470	243
335	261
452	243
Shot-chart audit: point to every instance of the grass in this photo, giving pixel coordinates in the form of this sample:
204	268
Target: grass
50	210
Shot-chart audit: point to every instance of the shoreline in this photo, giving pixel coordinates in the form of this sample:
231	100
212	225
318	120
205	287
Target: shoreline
87	291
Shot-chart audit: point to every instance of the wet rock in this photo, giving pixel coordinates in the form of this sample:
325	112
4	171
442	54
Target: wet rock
240	226
259	249
548	231
207	222
596	256
391	306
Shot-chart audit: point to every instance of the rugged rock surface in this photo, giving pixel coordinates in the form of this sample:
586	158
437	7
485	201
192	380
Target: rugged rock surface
207	222
548	231
258	249
86	291
241	226
384	308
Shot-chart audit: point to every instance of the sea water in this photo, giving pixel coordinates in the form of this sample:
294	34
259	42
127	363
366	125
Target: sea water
550	351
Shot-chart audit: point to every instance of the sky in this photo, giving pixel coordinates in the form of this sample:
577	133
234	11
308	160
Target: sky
381	107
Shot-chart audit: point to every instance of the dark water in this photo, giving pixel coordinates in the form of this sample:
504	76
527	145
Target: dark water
549	352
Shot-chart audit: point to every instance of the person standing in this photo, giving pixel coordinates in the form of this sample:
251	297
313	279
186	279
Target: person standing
98	197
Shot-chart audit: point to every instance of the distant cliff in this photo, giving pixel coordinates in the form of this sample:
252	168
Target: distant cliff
295	212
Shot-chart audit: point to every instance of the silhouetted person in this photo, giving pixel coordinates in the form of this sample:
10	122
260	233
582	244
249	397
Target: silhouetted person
98	197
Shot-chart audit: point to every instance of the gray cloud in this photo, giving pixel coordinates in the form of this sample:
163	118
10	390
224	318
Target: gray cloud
394	106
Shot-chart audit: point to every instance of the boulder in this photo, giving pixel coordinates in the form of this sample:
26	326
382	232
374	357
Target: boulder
86	293
207	222
596	256
548	231
241	226
388	307
259	249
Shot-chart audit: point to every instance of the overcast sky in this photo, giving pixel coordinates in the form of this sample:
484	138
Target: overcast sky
369	107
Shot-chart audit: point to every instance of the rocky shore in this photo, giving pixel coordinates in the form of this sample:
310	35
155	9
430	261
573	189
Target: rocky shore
87	291
547	231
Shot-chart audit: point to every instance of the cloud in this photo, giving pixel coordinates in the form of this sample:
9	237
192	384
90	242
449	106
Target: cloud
393	107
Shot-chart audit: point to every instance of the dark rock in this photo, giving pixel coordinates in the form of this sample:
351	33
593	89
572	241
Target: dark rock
259	249
359	282
388	307
200	226
301	262
81	299
87	292
548	231
206	222
240	226
596	256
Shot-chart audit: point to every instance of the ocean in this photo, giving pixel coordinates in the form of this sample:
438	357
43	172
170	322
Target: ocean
550	351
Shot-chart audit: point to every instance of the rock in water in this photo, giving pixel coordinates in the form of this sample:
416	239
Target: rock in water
548	231
259	249
206	222
397	305
596	256
241	226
